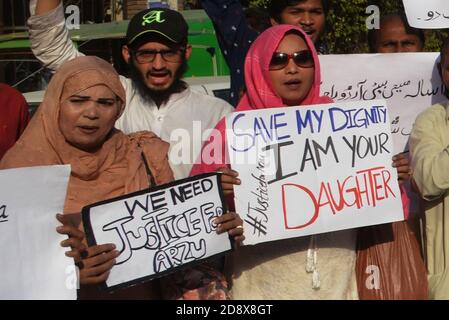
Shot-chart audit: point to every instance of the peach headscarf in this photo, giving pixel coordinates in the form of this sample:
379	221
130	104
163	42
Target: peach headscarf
115	169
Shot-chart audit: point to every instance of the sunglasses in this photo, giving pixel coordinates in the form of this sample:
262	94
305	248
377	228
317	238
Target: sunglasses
303	59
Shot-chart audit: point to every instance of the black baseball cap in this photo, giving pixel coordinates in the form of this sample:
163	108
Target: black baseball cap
164	22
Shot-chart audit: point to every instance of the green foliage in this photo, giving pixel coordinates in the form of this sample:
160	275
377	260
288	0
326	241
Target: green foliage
258	3
345	26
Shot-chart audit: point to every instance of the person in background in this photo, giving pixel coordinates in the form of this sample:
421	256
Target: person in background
14	117
395	35
257	19
394	247
429	143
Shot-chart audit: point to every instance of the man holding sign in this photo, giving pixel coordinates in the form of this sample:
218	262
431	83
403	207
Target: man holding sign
394	246
430	163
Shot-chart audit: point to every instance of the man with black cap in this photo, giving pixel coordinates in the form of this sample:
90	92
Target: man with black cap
157	99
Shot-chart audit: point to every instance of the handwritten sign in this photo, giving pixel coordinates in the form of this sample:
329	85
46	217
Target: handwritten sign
429	14
33	265
160	230
3	214
408	81
309	170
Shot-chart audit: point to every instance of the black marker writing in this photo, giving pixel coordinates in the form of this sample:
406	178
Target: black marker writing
3	215
363	146
179	254
257	224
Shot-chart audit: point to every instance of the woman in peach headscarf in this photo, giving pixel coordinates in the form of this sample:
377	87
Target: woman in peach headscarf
75	125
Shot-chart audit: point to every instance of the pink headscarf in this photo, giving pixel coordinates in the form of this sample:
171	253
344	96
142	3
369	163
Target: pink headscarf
259	91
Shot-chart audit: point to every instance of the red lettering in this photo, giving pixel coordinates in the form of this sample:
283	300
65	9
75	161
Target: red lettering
323	190
371	181
374	188
363	192
377	186
284	206
341	191
387	187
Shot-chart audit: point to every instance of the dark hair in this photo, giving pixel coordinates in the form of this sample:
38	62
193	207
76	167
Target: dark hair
372	33
149	94
275	7
444	48
258	19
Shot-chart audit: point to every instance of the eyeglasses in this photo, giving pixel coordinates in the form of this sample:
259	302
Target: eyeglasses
303	59
147	56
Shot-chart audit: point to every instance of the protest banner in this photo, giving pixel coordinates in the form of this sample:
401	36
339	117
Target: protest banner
313	169
159	230
429	14
408	81
33	263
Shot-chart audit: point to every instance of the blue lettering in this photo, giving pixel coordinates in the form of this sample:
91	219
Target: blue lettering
236	134
335	119
304	121
279	125
258	125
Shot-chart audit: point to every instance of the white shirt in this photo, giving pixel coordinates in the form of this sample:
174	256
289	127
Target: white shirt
184	121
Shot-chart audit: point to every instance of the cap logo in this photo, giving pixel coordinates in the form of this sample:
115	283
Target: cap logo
152	16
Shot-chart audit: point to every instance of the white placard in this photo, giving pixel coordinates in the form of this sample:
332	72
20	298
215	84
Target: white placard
33	264
313	169
160	230
429	14
408	81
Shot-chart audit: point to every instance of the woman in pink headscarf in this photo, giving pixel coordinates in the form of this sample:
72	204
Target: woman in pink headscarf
284	83
282	69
